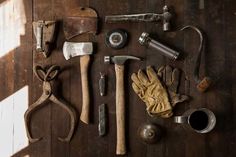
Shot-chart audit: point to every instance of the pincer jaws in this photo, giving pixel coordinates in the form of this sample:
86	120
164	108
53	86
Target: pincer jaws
47	75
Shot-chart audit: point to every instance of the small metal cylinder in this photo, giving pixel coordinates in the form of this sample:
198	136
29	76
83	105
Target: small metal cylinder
145	40
39	37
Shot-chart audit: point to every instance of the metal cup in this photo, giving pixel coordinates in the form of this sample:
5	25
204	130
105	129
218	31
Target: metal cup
201	120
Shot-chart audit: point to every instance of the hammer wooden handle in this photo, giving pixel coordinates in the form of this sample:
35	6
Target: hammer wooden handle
84	64
120	110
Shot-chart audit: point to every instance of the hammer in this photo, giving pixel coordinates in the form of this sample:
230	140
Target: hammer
83	49
120	99
165	17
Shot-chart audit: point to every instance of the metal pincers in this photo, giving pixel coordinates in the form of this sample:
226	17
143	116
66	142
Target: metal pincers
46	76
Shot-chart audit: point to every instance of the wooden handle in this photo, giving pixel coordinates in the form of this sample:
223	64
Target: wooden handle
84	63
204	84
120	110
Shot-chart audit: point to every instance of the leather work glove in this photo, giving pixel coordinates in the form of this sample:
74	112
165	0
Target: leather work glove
150	89
171	77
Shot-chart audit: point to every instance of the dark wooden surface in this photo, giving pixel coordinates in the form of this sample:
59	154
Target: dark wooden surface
217	19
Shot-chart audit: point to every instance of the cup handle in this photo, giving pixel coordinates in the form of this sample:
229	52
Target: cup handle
181	119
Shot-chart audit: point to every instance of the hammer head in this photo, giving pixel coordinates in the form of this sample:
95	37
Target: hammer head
73	49
167	16
120	60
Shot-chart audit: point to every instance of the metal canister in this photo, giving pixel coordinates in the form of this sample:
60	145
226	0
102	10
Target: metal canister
145	40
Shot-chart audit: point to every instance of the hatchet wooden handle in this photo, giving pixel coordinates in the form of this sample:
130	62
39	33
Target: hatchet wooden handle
120	110
84	64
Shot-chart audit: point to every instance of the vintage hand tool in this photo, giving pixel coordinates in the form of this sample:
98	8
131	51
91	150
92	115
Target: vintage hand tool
102	84
145	40
165	17
83	49
120	99
46	76
116	38
202	84
44	33
81	21
102	125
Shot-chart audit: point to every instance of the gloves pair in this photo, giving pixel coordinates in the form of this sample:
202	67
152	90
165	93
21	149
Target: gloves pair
158	90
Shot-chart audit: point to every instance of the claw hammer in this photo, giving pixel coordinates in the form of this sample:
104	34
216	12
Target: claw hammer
120	99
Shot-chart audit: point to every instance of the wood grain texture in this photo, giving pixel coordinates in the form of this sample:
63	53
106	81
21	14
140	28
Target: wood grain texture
217	21
120	110
84	65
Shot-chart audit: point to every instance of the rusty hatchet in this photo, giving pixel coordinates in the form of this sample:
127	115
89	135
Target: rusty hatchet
83	49
81	21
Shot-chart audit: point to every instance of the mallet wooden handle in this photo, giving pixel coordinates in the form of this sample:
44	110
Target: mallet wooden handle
84	64
120	110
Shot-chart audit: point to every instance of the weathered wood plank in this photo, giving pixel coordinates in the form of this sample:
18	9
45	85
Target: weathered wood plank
193	16
216	19
41	120
60	118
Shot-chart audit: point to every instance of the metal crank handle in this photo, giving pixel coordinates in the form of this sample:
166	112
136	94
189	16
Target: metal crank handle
147	17
204	83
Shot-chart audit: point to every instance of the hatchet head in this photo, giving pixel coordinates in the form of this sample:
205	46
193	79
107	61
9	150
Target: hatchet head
73	49
80	21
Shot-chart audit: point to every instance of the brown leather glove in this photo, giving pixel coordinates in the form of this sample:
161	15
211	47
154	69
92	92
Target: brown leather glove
158	100
171	77
152	92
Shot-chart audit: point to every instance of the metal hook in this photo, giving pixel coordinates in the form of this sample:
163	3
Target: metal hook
202	84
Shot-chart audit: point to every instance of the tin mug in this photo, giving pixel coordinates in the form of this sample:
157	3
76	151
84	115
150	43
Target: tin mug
201	120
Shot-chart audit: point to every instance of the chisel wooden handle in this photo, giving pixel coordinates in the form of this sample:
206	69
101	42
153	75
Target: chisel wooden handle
120	110
84	64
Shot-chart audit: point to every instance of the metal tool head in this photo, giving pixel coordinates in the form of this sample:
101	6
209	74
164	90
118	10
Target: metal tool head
120	60
73	49
167	16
